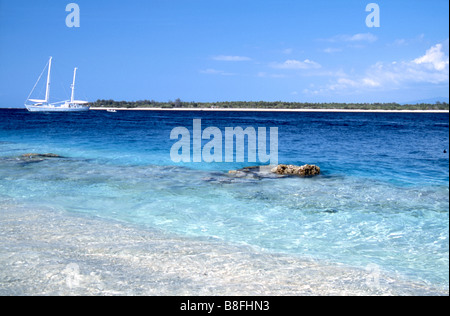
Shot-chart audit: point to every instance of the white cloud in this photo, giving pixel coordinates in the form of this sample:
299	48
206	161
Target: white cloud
434	57
355	41
296	64
211	71
431	68
331	50
231	58
401	42
266	75
360	37
369	82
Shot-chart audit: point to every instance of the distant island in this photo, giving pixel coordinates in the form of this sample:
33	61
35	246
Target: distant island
438	106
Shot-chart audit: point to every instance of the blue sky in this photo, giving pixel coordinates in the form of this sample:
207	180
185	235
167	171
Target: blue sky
243	50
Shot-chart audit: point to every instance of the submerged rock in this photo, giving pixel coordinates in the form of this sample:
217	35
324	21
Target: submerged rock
33	158
245	172
40	156
257	172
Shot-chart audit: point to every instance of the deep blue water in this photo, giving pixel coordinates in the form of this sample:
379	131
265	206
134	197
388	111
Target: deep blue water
382	197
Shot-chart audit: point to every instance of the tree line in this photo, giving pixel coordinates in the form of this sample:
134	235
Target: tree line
266	105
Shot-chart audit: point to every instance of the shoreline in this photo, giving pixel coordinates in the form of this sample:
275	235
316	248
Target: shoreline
260	110
270	110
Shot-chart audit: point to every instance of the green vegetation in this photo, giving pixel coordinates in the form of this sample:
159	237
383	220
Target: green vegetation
267	105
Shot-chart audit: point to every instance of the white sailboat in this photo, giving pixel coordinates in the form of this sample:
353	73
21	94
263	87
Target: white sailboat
71	105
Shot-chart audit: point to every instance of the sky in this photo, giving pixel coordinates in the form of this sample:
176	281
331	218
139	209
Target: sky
226	50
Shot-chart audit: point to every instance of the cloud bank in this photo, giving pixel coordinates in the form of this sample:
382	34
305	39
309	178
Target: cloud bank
430	68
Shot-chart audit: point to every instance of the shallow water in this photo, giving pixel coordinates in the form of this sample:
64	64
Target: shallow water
46	252
381	204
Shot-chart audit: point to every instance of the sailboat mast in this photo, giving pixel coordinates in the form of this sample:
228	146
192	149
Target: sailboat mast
72	98
47	92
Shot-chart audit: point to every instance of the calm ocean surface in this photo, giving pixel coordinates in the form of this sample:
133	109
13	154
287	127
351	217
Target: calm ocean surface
382	200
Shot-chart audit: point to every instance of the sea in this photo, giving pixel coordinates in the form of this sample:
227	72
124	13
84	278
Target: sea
113	214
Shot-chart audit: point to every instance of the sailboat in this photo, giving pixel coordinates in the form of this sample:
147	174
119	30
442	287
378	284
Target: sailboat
71	105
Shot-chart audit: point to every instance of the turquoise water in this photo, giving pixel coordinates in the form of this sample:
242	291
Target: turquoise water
382	200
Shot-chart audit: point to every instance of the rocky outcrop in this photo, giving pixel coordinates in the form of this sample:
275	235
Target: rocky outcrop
302	171
277	172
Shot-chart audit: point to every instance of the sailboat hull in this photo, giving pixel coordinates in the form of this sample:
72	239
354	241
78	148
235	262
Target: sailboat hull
56	109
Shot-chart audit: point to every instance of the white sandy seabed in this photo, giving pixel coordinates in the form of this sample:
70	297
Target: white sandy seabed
48	252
